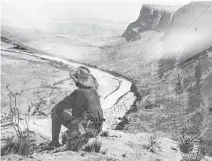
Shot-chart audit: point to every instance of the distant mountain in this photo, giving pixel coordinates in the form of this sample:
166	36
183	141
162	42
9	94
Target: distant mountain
152	17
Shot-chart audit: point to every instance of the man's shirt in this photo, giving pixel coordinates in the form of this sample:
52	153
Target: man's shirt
82	100
87	100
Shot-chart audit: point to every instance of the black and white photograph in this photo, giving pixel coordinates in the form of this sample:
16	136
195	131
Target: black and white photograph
106	80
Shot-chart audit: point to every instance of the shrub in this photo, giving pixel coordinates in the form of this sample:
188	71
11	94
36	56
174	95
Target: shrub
124	155
94	146
64	138
186	143
153	145
104	134
23	142
75	144
23	145
193	157
104	151
193	148
157	159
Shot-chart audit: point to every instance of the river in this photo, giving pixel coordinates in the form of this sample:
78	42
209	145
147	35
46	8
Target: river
112	90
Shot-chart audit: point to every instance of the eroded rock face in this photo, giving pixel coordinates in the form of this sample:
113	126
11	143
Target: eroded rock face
186	42
187	34
197	80
151	18
196	85
187	45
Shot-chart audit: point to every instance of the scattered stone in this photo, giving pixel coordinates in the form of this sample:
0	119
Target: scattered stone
124	155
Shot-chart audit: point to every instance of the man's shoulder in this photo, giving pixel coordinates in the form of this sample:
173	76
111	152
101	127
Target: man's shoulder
86	91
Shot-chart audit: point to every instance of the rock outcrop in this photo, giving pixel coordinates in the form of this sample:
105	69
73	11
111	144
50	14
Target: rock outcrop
187	46
196	85
185	68
188	33
151	17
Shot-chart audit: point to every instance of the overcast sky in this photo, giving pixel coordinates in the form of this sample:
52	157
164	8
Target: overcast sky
115	10
168	2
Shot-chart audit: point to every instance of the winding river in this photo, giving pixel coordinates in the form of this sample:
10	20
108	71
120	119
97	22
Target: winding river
111	89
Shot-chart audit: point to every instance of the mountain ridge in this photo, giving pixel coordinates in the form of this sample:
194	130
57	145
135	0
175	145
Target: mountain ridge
151	17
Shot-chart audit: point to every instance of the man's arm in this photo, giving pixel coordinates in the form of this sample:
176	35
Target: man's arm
67	103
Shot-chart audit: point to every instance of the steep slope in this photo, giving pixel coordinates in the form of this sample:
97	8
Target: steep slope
196	76
187	45
188	33
160	107
152	17
179	100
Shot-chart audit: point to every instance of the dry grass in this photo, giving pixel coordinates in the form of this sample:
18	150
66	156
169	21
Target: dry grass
64	138
186	143
23	145
94	146
192	148
104	134
23	141
153	145
76	144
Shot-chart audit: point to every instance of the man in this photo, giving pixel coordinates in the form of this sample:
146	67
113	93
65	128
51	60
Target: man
87	114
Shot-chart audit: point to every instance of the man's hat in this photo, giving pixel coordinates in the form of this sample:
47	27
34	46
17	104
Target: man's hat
84	77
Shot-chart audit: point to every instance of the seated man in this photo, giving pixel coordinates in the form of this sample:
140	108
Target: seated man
87	113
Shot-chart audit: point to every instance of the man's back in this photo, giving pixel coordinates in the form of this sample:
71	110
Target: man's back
87	100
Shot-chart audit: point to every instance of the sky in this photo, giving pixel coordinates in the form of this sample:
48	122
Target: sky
112	10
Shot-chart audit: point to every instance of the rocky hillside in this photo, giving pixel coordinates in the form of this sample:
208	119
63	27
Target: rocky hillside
176	99
181	94
33	88
196	81
152	17
191	56
188	32
193	90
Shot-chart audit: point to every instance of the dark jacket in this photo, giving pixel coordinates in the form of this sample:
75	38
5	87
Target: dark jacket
80	101
87	100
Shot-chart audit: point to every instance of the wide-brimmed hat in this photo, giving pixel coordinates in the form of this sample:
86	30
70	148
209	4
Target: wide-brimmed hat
84	77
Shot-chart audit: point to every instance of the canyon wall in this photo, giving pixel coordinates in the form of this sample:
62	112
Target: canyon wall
151	17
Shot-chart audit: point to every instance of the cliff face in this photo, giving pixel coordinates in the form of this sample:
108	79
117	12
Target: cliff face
188	33
187	45
186	89
197	83
151	17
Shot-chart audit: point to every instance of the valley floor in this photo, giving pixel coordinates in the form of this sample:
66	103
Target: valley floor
41	81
